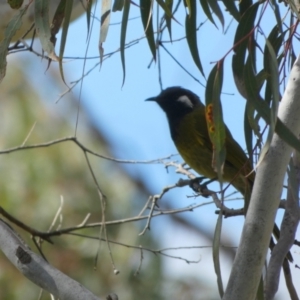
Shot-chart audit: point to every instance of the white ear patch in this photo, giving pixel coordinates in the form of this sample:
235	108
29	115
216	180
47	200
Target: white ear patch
186	101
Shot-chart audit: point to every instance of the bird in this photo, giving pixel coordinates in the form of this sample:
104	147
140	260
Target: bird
189	131
186	116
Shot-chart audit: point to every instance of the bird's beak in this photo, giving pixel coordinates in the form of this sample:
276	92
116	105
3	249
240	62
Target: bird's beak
152	99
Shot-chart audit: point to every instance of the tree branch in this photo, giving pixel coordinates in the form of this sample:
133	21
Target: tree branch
37	270
246	272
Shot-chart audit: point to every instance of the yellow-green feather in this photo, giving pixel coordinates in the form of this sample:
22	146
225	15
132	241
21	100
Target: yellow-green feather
193	143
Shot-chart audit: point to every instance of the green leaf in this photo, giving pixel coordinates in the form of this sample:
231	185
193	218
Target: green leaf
146	14
244	6
292	57
123	35
214	5
191	34
248	127
105	18
168	18
42	26
206	9
276	41
253	93
89	5
274	80
64	34
57	19
12	27
242	36
118	5
252	90
272	89
187	4
238	65
214	117
245	26
264	110
165	7
277	14
231	7
252	120
216	254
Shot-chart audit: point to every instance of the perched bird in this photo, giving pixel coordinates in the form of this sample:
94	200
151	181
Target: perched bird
189	131
188	127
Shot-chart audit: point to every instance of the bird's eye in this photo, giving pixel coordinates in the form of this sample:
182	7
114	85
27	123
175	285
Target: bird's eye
185	100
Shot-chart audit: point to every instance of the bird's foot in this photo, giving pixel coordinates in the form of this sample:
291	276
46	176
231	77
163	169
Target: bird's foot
200	188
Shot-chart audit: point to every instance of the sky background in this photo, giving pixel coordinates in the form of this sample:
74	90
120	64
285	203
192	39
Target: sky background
137	129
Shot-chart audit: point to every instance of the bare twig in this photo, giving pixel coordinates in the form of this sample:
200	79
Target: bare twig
57	215
59	232
20	224
84	148
140	264
161	252
29	133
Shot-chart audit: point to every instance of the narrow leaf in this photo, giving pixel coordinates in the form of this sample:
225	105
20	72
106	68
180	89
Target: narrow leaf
217	10
276	41
277	14
271	67
216	254
245	26
57	19
165	7
146	14
105	18
64	34
169	4
191	34
12	27
214	117
187	4
206	9
238	60
263	109
89	5
42	25
118	5
274	80
248	127
249	77
274	83
253	93
123	35
231	7
244	6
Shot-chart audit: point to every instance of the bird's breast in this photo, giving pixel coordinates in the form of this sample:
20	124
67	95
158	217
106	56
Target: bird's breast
192	142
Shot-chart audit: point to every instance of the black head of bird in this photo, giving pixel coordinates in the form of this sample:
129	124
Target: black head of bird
176	102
